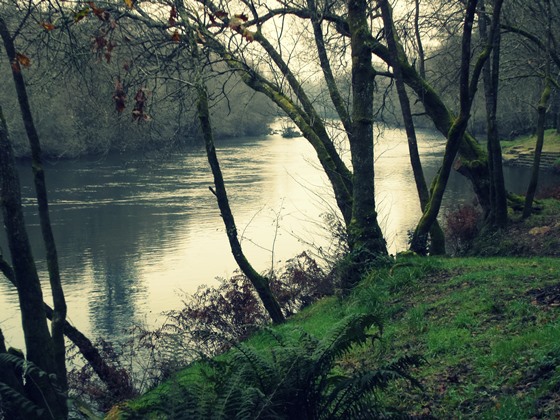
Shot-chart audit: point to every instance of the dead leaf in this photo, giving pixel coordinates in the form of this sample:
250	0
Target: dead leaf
248	35
119	97
23	60
220	14
48	26
173	15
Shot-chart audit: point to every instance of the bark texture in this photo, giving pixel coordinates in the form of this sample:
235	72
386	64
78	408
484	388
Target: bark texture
364	231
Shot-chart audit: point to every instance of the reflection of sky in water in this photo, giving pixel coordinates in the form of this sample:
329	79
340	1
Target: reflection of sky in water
132	234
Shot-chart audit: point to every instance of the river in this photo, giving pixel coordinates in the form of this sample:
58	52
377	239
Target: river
135	232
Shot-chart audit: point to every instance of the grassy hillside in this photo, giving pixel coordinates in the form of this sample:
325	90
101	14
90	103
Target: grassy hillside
488	329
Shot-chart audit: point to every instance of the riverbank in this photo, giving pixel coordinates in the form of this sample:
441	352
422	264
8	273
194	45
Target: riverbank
488	329
520	151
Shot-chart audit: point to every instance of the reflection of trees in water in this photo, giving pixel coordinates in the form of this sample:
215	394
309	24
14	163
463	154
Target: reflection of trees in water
113	300
116	235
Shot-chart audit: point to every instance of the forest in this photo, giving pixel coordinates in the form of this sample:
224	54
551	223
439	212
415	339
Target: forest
90	78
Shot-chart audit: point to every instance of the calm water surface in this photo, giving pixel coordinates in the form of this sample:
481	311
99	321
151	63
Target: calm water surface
134	233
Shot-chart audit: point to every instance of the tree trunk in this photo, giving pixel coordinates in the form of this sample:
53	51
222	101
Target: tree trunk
419	44
364	232
260	283
437	244
541	119
117	380
497	216
473	159
454	138
59	315
532	188
36	332
467	89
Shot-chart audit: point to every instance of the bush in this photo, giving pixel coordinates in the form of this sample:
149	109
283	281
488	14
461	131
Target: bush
212	321
462	227
215	318
294	378
550	192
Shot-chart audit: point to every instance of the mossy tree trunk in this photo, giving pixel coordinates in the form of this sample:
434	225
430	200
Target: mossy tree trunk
364	231
472	162
467	89
437	242
541	117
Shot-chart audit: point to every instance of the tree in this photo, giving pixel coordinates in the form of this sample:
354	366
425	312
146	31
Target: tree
437	243
497	216
38	341
541	112
467	89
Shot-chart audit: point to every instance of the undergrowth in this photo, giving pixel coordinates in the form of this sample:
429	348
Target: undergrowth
488	329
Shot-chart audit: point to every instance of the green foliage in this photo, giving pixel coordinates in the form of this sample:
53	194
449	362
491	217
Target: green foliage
13	399
297	378
10	397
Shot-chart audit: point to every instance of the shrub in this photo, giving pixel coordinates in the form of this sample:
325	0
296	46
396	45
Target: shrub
217	317
212	321
462	226
292	379
550	192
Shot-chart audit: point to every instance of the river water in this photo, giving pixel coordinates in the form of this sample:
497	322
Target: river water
134	233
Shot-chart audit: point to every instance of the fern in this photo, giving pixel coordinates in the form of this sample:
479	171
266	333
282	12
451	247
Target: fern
27	368
24	405
294	380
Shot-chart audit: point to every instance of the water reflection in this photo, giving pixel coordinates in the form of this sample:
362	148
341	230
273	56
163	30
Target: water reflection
134	230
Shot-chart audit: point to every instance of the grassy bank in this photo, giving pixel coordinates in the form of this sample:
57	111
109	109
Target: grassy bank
488	329
527	143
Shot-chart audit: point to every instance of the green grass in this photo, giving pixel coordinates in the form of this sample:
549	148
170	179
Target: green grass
551	142
492	350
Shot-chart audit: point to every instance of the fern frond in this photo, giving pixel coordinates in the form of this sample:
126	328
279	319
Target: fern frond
351	330
25	366
23	404
255	365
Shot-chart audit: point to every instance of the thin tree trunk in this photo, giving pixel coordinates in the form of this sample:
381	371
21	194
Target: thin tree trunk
532	188
59	315
497	216
541	119
260	283
117	380
419	44
437	246
36	332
